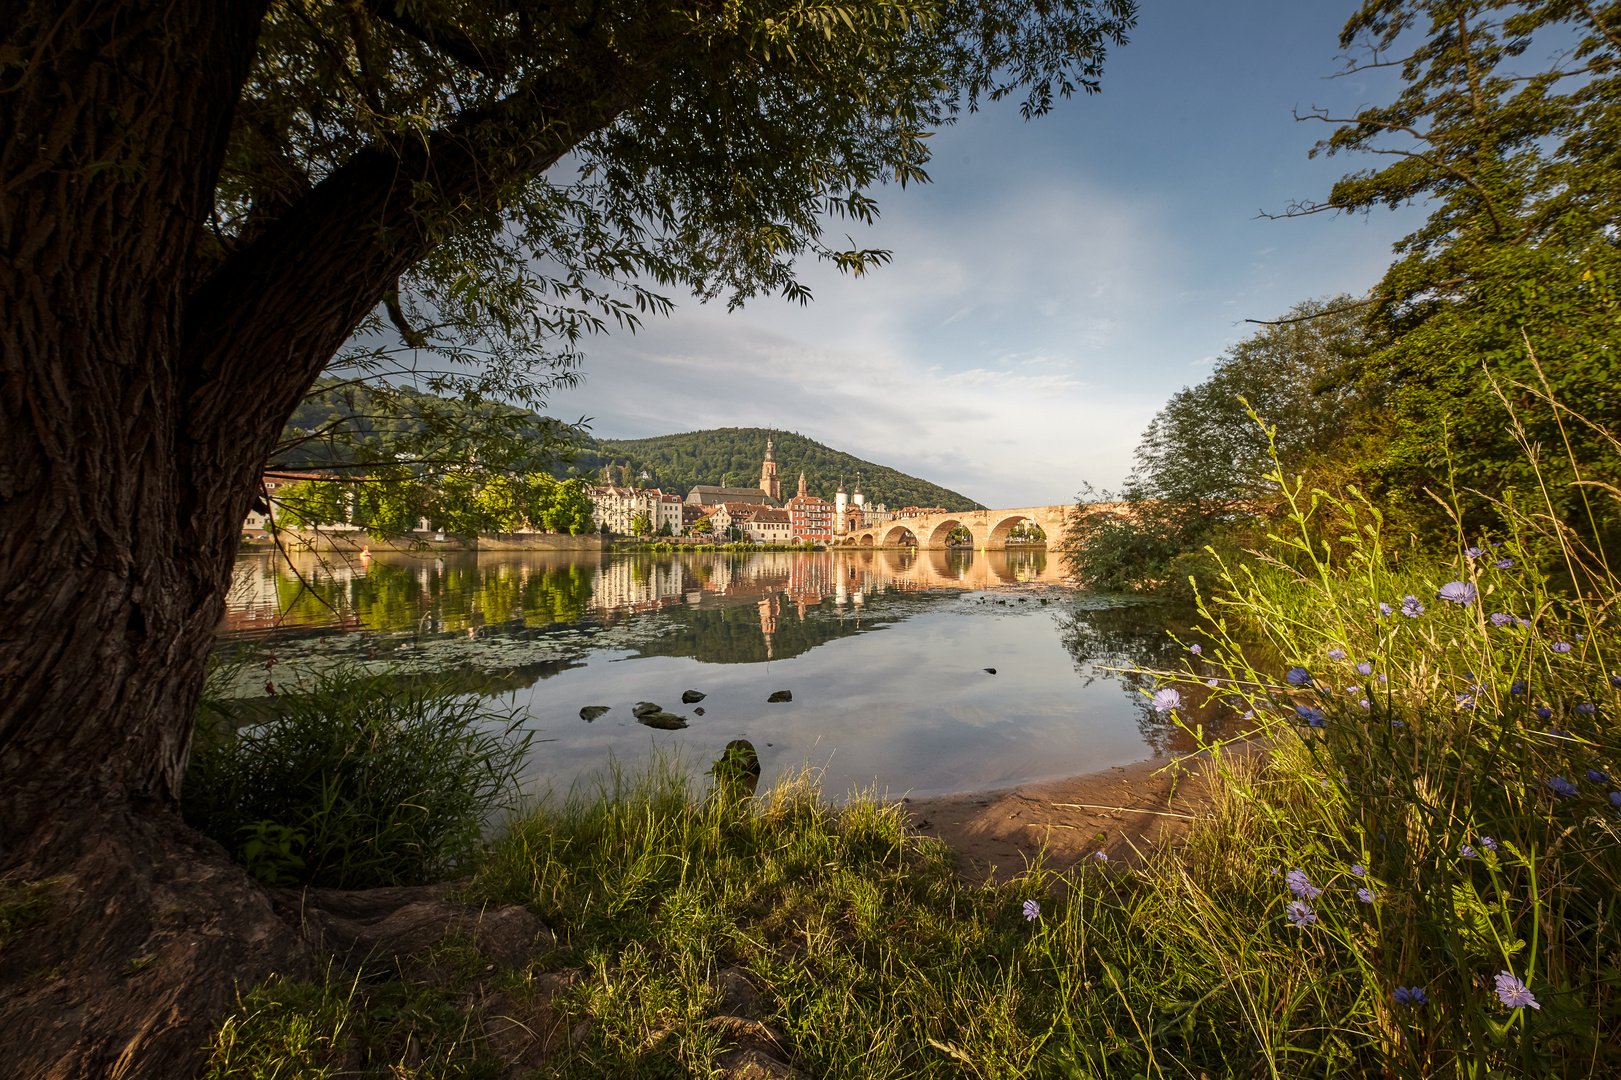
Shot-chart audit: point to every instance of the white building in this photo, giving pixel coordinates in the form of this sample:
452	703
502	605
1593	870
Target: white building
618	508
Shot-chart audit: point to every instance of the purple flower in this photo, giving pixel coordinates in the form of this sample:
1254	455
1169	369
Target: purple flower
1598	777
1523	624
1457	592
1195	649
1365	896
1101	856
1504	564
1414	996
1359	870
1586	709
1336	654
1474	552
1518	687
1384	609
1032	911
1300	913
1488	843
1500	619
1615	799
1212	682
1310	715
1365	703
1398	723
1249	714
1466	701
1466	851
1165	700
1513	993
1562	787
1543	712
1560	647
1364	669
1411	607
1298	676
1300	885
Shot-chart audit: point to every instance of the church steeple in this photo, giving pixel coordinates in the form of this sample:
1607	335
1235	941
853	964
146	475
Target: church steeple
768	475
801	485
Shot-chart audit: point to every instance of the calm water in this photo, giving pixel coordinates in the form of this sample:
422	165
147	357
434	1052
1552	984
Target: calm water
884	652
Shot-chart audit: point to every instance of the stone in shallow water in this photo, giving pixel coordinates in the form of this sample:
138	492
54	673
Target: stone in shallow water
692	697
782	695
990	671
591	712
699	711
662	720
644	708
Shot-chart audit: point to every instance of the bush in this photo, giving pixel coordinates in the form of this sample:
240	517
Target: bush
363	781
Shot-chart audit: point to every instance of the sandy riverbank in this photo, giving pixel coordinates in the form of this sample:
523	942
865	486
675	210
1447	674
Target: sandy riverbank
1125	811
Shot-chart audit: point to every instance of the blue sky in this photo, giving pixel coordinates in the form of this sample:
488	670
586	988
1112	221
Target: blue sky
1058	280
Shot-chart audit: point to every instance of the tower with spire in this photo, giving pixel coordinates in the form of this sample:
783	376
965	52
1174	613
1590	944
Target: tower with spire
841	503
801	485
769	483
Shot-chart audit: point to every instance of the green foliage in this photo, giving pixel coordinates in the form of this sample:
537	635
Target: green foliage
732	457
641	524
1507	293
354	783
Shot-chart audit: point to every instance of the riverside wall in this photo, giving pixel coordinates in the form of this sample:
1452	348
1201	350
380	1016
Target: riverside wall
346	541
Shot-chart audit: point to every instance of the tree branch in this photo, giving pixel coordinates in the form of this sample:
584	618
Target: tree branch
449	40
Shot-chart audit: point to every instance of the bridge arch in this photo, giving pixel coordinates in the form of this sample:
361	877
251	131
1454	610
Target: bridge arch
997	537
897	536
942	530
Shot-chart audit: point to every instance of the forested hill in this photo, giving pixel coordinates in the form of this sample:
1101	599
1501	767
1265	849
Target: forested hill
732	457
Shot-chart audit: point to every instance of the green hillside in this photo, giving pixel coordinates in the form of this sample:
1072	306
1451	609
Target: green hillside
732	456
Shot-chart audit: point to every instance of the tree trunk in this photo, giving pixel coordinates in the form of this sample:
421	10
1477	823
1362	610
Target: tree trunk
140	395
117	536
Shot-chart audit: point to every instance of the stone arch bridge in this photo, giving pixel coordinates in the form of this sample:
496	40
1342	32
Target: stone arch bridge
989	528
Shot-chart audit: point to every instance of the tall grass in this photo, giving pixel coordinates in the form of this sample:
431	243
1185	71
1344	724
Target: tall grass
359	781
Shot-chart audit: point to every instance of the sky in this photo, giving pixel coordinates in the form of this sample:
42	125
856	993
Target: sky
1057	281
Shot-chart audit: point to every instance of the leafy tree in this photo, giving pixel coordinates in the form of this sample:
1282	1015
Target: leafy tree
1508	291
1203	461
641	524
665	530
206	206
702	527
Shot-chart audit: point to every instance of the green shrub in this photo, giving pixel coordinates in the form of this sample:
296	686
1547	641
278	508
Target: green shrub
362	781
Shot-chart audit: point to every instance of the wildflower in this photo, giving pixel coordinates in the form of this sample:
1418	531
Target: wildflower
1523	624
1359	870
1398	723
1562	787
1500	619
1300	913
1513	993
1457	592
1249	714
1383	677
1488	843
1543	712
1411	995
1195	649
1165	700
1384	609
1364	669
1310	715
1466	701
1411	607
1365	896
1365	703
1598	777
1353	689
1615	799
1560	647
1298	676
1211	683
1504	564
1301	886
1474	552
1615	681
1518	687
1467	852
1336	654
1586	709
1101	856
1032	911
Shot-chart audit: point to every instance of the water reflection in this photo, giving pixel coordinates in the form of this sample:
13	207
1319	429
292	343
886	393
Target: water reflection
887	655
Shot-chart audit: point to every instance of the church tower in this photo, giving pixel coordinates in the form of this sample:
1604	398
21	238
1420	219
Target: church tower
768	475
801	485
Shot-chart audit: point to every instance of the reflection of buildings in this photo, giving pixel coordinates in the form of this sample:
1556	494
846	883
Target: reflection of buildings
768	621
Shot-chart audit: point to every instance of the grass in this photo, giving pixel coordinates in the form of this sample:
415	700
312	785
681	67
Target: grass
357	781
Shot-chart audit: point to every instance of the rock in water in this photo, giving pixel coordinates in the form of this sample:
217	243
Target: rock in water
990	671
782	695
591	712
699	711
662	720
692	697
643	708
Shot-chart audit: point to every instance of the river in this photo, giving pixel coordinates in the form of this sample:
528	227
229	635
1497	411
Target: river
885	654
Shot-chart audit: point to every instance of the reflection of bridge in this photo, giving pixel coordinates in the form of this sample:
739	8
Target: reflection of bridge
989	528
